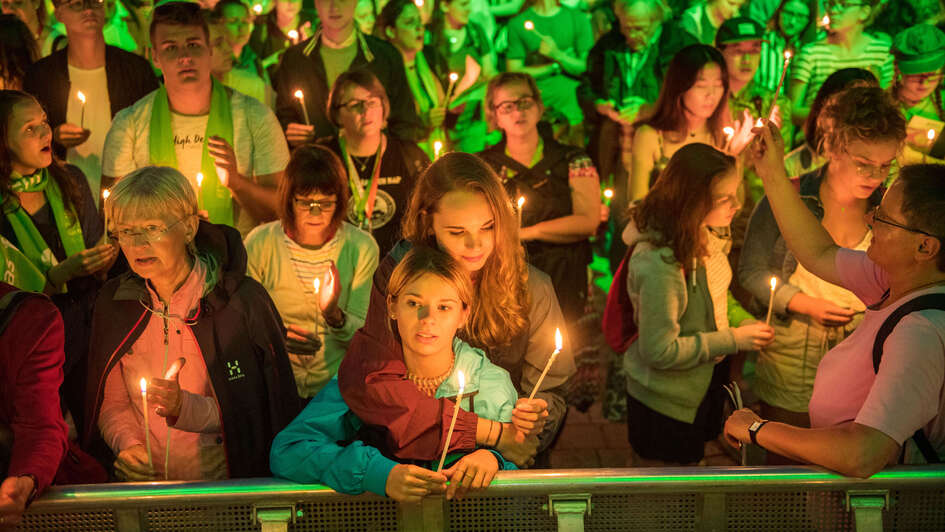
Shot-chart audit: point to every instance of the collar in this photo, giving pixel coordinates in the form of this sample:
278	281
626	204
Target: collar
316	40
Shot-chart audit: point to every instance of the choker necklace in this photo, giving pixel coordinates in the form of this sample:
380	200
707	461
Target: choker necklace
362	162
429	385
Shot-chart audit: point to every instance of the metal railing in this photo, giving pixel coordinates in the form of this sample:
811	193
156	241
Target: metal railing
697	498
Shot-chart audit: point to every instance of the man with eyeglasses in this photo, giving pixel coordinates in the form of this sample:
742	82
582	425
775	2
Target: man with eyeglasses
846	45
229	145
313	65
109	78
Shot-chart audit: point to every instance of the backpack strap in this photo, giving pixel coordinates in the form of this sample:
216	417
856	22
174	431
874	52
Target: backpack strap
924	302
8	305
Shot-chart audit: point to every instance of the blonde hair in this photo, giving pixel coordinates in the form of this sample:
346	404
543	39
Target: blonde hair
151	192
499	311
423	260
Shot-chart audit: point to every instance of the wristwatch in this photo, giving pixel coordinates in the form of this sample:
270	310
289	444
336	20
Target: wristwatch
754	428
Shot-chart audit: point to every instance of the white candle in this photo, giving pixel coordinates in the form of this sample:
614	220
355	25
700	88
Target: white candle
81	96
437	147
301	97
105	194
449	433
521	203
317	283
294	36
774	99
454	77
774	284
147	426
551	360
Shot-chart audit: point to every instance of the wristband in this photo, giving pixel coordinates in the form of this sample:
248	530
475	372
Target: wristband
753	430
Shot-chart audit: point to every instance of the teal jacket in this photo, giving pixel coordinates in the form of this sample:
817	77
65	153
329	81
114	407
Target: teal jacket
310	451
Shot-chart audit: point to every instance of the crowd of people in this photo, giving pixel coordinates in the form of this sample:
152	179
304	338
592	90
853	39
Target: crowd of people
347	242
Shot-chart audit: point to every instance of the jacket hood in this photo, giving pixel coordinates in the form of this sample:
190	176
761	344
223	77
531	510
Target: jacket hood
224	244
632	234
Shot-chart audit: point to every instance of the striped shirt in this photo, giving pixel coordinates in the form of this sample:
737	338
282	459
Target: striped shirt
818	60
311	263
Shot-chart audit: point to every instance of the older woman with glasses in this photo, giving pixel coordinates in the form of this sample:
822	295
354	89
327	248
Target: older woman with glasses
316	266
556	188
862	133
381	169
878	394
188	374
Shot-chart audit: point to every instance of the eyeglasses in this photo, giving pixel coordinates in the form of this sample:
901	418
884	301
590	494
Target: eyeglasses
522	104
841	5
148	234
81	5
314	207
871	170
875	217
360	106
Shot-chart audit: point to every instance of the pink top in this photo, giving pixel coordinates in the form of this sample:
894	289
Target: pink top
907	393
196	440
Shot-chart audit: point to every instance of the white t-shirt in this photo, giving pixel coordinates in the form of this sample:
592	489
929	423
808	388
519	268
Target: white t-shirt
258	141
188	143
907	393
98	119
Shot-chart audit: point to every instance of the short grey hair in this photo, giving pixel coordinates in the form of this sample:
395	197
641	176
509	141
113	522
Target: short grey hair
659	9
152	192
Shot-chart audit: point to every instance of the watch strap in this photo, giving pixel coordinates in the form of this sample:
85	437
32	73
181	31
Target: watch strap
753	430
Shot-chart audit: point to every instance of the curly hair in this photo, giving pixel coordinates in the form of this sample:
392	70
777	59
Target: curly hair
867	114
500	309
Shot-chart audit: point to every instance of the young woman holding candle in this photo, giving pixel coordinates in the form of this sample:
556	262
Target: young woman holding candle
692	107
787	28
375	161
917	88
862	134
460	206
559	184
188	297
429	300
313	241
677	280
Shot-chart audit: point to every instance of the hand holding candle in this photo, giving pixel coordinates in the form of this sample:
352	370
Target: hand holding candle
774	285
301	98
551	360
449	433
147	426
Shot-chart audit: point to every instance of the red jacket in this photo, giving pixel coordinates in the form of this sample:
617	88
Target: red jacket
31	359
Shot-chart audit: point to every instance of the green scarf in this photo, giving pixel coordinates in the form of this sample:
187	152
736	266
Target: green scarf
17	270
212	195
426	91
31	241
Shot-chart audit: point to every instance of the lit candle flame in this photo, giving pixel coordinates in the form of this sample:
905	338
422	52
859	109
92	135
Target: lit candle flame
774	283
437	147
825	21
418	3
729	132
106	193
257	8
294	35
462	380
559	342
144	385
298	94
759	123
317	283
529	25
931	134
521	201
81	96
787	55
608	193
454	76
199	179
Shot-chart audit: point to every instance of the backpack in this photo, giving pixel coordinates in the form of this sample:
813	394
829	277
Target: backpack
619	328
925	302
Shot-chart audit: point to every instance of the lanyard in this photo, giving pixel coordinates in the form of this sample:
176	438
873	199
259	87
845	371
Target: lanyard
364	203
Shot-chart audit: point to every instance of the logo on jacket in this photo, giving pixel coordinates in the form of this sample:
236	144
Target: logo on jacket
234	371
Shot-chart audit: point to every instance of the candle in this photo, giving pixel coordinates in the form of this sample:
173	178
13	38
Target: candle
301	98
199	179
931	136
608	195
454	77
147	429
729	133
257	8
529	25
521	203
449	433
774	284
105	194
318	305
774	99
437	147
551	360
294	36
81	96
825	21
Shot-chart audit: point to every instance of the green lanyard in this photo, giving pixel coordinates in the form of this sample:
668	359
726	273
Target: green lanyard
363	201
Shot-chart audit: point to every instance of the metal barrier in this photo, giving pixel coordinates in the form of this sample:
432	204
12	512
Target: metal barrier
703	498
